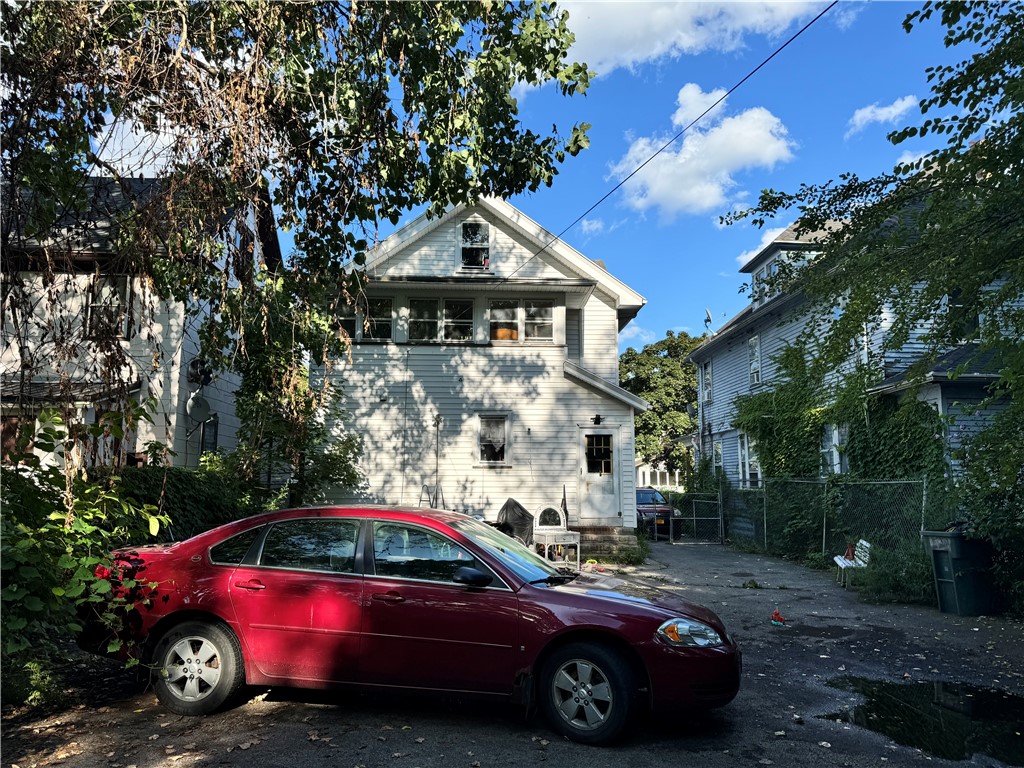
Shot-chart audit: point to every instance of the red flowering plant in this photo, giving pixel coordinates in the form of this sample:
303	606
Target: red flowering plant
109	613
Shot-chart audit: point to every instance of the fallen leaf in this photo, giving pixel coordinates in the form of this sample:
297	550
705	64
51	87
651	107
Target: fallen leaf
420	740
780	734
824	744
154	737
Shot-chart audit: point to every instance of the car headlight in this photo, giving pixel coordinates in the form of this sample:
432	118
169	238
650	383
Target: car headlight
687	633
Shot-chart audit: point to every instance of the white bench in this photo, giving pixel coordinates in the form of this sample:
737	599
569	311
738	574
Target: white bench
845	567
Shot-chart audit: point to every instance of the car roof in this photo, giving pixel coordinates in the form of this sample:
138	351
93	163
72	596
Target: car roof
408	514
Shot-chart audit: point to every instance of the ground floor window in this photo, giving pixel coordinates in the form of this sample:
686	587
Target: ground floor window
493	440
750	468
833	449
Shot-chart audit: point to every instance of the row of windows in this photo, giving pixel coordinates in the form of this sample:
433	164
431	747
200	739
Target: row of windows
452	320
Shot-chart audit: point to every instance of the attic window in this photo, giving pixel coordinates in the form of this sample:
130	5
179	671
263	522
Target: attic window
476	245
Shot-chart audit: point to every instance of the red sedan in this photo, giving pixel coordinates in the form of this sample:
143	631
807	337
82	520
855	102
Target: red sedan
418	599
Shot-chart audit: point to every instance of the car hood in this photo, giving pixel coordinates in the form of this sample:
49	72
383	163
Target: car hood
637	592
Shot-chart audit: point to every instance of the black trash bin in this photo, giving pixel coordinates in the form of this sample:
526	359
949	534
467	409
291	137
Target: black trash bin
963	573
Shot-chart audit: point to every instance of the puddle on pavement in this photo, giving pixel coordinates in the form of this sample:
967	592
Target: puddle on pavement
946	720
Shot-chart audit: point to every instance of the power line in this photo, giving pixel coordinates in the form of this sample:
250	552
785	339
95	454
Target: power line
675	138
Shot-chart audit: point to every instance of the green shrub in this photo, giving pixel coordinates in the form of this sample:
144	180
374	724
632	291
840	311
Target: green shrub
56	532
896	578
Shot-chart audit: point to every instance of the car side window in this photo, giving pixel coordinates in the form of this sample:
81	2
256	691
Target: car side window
232	551
414	553
312	545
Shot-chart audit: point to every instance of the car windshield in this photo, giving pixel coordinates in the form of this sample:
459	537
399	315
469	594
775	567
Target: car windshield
521	560
650	496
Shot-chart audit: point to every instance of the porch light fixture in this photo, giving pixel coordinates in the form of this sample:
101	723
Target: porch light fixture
597	419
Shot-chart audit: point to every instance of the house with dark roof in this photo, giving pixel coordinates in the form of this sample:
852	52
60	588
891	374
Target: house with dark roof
83	331
742	357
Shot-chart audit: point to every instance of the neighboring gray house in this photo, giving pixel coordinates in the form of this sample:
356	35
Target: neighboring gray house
57	348
740	358
484	366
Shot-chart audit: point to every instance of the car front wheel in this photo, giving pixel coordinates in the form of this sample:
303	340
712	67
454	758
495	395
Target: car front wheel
198	668
586	692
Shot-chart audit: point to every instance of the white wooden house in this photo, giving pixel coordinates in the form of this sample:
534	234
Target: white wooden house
56	351
484	367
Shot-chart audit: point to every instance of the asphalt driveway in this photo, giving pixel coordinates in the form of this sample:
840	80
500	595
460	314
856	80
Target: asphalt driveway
789	710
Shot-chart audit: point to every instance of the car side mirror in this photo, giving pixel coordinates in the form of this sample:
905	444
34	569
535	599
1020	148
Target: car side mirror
472	577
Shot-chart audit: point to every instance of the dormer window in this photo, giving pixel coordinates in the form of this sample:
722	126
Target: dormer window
765	286
475	244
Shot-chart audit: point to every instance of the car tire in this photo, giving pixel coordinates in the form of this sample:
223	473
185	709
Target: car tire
586	692
197	668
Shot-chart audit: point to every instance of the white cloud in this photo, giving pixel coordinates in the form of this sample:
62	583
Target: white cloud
874	113
698	174
610	35
767	236
693	103
591	226
909	158
634	332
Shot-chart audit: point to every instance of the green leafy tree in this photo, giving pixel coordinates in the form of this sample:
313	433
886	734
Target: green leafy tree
938	241
661	375
319	119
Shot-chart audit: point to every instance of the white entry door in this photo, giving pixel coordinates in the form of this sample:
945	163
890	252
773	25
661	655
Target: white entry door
599	478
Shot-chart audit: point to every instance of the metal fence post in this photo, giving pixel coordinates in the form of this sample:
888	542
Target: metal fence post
924	499
764	512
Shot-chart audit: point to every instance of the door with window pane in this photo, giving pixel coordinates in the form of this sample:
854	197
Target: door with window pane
599	481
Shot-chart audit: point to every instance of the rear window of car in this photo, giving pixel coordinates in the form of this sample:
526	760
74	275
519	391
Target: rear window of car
232	551
650	497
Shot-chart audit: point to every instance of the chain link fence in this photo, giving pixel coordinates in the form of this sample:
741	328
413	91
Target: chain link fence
796	518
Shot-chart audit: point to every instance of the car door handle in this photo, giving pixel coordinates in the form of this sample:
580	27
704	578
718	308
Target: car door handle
389	597
252	584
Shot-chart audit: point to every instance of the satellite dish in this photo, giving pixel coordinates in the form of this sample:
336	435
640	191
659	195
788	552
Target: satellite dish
198	408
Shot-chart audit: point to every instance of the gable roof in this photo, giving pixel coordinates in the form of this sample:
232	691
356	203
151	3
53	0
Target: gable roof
786	240
628	302
90	227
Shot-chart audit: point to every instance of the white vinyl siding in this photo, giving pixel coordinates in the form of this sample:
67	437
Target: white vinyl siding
543	409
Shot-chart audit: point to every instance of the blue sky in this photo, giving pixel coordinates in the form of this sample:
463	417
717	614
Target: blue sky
821	107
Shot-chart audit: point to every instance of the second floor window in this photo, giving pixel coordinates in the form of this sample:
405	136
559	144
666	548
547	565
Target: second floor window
526	320
440	320
423	315
458	320
378	324
754	351
109	309
705	382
